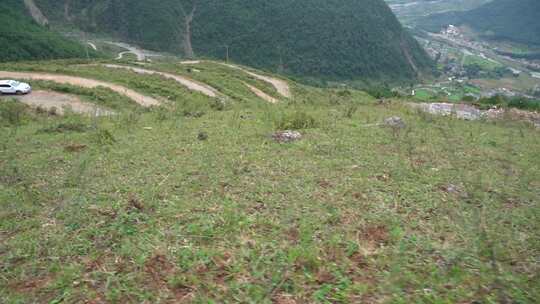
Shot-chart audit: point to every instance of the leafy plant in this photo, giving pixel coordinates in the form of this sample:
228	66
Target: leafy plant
296	121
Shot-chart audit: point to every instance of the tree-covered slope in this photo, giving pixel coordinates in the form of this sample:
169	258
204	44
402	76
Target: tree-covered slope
22	39
331	39
512	20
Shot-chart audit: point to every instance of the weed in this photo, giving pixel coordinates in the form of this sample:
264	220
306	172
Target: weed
103	137
194	114
162	113
218	105
65	127
350	110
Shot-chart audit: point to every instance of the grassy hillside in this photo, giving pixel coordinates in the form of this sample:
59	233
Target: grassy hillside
329	40
192	202
22	39
517	21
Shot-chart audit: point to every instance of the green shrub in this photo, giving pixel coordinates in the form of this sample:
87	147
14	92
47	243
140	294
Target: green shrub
510	102
12	113
296	121
381	92
524	104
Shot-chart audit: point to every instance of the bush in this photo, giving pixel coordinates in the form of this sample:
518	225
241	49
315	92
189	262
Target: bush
381	92
12	113
524	104
511	102
296	121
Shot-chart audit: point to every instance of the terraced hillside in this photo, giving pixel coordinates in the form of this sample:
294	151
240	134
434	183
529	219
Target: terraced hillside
198	200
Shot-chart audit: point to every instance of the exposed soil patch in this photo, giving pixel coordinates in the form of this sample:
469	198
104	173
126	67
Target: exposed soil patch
57	102
143	100
376	234
31	285
159	269
187	82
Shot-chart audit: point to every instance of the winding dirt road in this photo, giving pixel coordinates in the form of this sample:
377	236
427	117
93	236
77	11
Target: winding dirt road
281	86
92	45
142	100
141	56
187	82
60	102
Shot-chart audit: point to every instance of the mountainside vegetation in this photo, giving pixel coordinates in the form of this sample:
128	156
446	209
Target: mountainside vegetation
517	21
21	38
331	40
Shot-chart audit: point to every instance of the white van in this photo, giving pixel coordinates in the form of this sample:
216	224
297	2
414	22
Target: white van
14	87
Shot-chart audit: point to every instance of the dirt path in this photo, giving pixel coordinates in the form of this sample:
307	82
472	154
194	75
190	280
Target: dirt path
48	100
261	94
190	62
141	56
93	46
121	55
187	82
281	86
143	100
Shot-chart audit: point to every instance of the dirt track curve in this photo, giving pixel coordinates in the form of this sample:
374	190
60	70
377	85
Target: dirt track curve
187	82
142	100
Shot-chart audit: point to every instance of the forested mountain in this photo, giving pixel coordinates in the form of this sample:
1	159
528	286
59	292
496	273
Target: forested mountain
21	38
514	20
328	39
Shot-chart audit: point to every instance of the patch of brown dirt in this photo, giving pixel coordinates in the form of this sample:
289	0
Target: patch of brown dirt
159	269
293	235
57	103
324	277
31	285
376	234
75	148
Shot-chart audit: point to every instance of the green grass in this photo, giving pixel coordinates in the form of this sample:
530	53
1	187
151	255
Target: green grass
444	211
485	64
423	95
